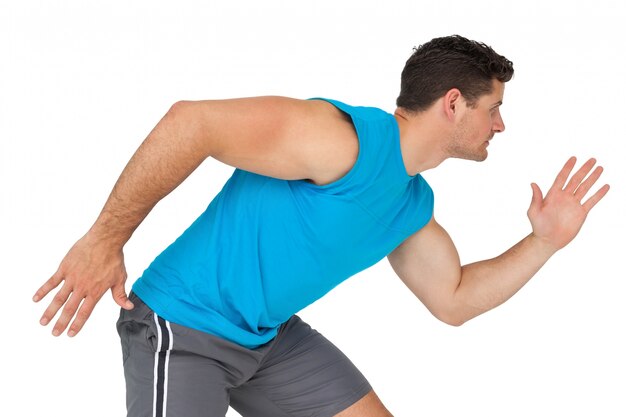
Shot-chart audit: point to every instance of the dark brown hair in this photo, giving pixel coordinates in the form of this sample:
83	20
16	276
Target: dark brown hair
450	62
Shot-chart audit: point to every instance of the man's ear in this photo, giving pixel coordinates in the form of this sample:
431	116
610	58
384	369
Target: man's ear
452	103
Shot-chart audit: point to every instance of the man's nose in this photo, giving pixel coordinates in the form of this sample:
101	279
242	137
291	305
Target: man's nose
498	125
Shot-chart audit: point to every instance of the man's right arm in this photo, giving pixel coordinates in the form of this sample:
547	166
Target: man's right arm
272	136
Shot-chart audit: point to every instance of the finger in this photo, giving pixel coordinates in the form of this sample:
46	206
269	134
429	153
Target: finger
584	188
594	199
82	316
57	302
579	176
561	178
48	286
119	296
66	315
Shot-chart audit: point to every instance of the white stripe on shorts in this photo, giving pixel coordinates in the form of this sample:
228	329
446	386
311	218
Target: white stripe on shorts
161	366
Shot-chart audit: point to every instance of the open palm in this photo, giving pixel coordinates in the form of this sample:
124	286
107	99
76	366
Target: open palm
558	217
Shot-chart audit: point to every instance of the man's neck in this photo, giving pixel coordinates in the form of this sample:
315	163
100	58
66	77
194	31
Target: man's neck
421	140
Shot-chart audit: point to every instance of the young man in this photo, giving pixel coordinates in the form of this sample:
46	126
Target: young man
322	190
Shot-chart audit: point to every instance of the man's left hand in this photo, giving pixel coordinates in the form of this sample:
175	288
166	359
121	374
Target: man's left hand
557	218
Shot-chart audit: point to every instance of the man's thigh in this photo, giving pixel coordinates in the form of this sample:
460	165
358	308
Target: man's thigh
164	377
302	375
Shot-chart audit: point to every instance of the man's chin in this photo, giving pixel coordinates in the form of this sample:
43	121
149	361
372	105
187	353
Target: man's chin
477	157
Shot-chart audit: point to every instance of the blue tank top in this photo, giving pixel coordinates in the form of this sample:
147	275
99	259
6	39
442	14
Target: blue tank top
265	248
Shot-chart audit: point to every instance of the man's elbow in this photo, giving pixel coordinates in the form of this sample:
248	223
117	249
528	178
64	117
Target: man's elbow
178	109
453	316
454	321
187	122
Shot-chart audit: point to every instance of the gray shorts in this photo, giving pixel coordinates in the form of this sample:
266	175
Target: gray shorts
175	371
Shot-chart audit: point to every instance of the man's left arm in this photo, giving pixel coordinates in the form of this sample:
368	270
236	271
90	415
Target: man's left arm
429	265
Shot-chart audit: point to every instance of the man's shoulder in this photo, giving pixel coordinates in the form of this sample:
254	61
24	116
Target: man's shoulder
362	112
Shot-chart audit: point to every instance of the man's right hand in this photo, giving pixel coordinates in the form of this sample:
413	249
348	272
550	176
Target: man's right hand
89	269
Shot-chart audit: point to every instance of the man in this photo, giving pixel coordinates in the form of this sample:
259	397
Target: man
322	190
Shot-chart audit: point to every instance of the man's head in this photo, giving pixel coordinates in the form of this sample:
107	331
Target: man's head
450	62
451	92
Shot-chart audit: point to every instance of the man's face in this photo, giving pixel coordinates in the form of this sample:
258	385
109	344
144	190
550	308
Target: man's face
477	126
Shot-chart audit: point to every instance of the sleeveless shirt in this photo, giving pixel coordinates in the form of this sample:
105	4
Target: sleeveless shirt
265	248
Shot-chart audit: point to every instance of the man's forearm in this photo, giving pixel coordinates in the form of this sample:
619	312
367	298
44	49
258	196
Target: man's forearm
167	156
487	284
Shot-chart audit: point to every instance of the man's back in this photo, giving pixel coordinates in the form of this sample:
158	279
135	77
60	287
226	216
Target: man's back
266	248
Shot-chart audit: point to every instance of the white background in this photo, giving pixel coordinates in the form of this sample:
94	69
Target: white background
83	82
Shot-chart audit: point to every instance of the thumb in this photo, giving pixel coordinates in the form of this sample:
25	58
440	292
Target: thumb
537	199
120	298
